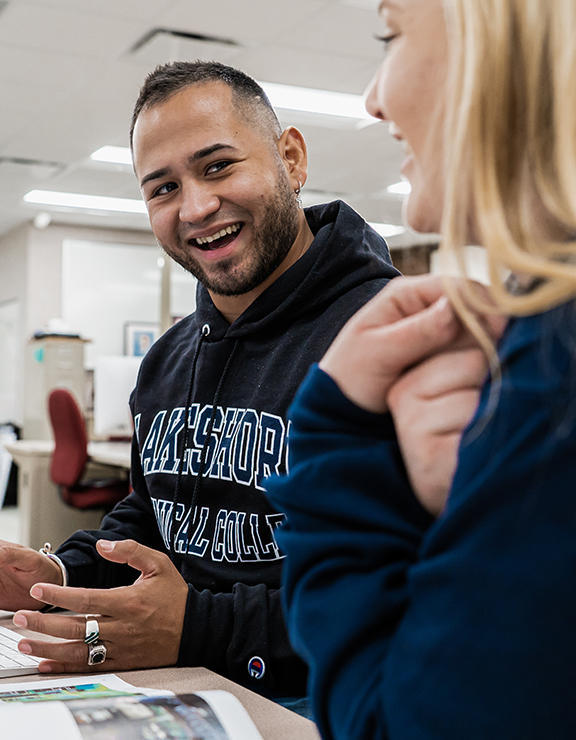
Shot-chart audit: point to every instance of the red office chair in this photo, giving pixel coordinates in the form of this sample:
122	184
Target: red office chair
70	457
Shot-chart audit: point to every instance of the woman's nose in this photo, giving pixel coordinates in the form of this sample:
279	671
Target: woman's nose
373	98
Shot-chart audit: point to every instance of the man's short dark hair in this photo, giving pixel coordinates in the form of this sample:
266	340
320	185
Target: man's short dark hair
168	79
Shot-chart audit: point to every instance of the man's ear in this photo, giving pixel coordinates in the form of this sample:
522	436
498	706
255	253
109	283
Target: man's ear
292	150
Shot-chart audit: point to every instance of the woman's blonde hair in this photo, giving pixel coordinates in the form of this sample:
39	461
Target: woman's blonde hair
511	145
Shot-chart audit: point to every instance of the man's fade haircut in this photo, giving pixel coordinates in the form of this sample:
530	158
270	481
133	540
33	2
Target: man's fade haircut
248	96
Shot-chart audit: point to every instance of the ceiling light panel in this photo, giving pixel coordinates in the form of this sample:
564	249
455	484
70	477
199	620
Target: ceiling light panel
114	154
323	102
90	202
387	230
400	188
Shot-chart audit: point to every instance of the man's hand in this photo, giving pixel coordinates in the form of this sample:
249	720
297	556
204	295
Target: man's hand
140	625
409	320
20	568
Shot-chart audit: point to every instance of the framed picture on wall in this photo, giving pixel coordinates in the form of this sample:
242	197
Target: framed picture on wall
139	337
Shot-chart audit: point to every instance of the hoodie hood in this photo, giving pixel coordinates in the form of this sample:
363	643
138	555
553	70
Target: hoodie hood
346	252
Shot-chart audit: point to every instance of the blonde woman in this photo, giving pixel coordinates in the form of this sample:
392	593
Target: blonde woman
449	611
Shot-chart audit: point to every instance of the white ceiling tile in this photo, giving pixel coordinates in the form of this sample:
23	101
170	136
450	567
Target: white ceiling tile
95	182
371	5
143	9
25	98
340	29
243	20
50	69
165	47
35	25
306	68
14	178
59	137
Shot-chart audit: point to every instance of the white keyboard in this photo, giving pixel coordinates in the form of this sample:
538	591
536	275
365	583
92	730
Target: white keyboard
12	662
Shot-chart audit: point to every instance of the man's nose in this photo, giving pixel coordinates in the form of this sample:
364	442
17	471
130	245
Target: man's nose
197	203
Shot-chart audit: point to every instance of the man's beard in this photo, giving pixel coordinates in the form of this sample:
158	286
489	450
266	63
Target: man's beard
271	242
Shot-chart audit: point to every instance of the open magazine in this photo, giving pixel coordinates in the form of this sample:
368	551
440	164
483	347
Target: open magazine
106	708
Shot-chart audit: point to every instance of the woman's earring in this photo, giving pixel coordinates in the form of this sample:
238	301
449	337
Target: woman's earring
297	194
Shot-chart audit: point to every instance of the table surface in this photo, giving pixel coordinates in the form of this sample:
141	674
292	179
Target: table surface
107	453
110	453
273	721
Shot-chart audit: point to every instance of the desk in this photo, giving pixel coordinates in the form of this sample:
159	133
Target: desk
44	517
110	453
273	721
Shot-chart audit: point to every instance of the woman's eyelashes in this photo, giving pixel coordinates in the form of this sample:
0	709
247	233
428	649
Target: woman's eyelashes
386	40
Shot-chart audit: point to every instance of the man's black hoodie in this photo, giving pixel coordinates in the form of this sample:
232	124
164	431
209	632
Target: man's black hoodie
233	384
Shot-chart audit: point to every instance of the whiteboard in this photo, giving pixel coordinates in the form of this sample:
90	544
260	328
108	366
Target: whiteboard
107	285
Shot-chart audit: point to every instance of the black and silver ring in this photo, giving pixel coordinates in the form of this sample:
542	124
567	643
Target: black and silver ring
96	653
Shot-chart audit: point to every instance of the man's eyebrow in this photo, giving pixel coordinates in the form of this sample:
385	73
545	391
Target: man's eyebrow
207	151
153	175
200	154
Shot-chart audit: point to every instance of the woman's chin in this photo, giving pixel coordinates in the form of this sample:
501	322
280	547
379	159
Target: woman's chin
421	215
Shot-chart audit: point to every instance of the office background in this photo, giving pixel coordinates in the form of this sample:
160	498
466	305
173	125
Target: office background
70	71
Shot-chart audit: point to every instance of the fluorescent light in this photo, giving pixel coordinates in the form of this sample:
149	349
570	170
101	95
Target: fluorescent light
324	102
387	230
115	154
91	202
400	188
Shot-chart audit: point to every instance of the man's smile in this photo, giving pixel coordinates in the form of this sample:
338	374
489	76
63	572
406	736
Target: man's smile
218	239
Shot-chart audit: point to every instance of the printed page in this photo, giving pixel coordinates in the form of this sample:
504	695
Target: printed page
50	721
106	685
194	717
234	718
104	707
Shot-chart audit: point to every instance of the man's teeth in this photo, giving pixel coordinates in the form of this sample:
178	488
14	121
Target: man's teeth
218	235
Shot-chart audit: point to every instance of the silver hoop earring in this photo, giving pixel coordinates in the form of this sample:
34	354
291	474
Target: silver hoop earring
297	194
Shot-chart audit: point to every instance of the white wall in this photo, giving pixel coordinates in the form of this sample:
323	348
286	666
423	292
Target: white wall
9	362
105	286
13	293
31	269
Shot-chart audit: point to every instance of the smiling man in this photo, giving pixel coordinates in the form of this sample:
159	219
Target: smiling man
221	181
221	196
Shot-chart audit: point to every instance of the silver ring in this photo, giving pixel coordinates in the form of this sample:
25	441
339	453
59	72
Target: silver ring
96	653
92	632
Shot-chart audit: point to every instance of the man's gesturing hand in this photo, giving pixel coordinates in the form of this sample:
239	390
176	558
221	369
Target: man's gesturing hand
20	568
140	625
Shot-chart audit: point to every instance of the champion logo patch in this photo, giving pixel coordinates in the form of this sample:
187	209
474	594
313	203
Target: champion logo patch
256	667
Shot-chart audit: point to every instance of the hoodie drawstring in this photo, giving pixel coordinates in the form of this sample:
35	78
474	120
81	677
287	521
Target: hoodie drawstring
204	453
178	491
